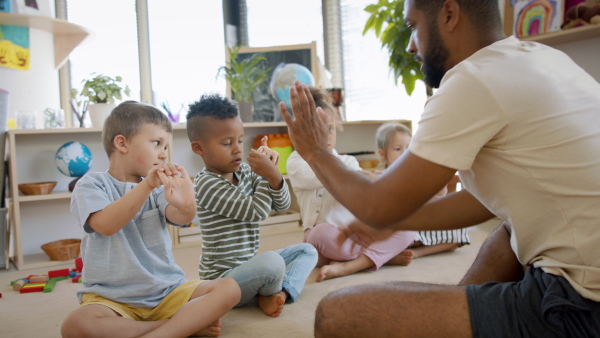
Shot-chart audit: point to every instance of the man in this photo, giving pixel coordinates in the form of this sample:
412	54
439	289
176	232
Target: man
520	123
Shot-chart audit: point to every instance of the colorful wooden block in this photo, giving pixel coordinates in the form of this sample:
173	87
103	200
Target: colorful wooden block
79	264
38	279
16	280
18	285
50	286
59	278
58	273
32	289
76	279
33	285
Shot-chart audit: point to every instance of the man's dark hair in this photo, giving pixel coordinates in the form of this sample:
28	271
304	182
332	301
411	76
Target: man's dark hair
484	14
209	106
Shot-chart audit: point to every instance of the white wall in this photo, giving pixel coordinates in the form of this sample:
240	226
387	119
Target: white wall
35	89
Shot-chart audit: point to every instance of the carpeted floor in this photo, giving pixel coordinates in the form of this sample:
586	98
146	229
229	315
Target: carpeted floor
41	314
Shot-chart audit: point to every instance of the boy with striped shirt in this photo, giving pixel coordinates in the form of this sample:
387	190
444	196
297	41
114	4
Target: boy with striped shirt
232	197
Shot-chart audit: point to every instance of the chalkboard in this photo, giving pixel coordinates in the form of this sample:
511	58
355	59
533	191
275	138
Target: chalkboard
266	107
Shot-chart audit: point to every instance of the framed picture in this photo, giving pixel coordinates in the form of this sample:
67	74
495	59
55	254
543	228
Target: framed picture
283	61
534	17
33	7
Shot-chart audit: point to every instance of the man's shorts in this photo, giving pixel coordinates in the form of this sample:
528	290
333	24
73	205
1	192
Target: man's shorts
164	310
541	305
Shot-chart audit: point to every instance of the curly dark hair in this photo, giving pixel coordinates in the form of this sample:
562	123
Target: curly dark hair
209	106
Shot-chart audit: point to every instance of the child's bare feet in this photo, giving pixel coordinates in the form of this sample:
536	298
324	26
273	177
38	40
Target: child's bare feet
272	305
333	270
404	258
213	330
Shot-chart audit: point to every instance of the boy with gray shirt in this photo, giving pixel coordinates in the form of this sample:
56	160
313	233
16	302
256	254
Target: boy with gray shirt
132	285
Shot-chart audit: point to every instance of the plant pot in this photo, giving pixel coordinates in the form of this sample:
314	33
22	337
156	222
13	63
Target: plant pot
246	111
99	112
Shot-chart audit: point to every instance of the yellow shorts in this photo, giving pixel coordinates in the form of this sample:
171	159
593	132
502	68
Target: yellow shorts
164	310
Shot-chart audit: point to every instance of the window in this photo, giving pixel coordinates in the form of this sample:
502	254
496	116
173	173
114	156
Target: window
187	47
369	88
113	50
276	23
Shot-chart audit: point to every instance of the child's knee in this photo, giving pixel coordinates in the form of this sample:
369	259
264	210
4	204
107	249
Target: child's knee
309	251
230	287
272	264
322	235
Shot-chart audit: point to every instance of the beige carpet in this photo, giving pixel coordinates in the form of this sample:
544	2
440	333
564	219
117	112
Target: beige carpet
41	314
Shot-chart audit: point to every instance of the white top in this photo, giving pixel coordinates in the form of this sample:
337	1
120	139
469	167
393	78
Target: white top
316	203
521	121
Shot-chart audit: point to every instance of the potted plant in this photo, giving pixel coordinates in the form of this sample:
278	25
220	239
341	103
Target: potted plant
101	92
395	36
243	77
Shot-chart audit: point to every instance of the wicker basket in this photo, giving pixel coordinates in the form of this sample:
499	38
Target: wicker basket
62	250
38	188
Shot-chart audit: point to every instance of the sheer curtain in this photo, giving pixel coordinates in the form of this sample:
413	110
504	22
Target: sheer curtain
187	47
276	23
370	91
113	51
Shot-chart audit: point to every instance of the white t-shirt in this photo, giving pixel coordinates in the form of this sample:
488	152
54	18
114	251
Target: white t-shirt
316	203
521	123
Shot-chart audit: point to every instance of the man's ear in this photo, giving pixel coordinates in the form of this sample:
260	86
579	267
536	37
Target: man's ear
451	13
197	148
120	144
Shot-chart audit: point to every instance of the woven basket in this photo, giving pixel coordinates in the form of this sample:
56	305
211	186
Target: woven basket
62	250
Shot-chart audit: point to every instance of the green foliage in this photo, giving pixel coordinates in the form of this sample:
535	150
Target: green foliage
103	89
245	75
395	36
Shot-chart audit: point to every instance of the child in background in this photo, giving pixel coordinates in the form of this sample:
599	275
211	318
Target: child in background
393	139
232	198
131	284
322	216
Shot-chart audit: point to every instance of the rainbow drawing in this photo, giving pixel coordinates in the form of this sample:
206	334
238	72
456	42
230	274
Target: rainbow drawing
533	17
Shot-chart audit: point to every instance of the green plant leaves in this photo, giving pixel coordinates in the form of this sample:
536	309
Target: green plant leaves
244	76
103	89
387	20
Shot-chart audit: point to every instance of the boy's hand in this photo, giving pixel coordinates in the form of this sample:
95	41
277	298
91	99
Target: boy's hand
179	190
264	149
263	166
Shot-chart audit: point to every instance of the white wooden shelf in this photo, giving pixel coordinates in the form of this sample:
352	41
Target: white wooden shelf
31	159
55	195
67	35
567	35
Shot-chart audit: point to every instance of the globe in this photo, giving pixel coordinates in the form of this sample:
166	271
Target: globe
284	76
73	159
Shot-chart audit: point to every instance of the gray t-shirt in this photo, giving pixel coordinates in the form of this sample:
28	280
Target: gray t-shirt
134	265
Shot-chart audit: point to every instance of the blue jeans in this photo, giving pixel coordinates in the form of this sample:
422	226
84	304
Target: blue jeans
270	272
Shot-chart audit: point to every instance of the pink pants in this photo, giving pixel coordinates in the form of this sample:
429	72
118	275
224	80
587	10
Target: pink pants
324	237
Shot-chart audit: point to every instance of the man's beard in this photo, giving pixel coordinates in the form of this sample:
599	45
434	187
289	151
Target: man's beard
435	58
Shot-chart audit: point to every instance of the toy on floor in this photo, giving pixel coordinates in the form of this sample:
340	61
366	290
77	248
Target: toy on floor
46	283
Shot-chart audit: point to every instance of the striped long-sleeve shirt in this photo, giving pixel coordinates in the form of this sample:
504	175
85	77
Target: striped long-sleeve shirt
229	217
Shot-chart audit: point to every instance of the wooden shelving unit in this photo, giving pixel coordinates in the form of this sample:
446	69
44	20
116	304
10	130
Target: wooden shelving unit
567	35
38	219
67	35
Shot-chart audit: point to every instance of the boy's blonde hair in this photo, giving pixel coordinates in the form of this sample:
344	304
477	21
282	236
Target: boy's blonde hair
386	131
128	118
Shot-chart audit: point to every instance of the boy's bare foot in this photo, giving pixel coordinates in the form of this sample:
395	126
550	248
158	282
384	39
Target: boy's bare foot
272	305
213	330
404	258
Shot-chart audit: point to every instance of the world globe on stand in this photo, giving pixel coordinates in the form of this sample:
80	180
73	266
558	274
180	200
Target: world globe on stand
73	159
284	76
